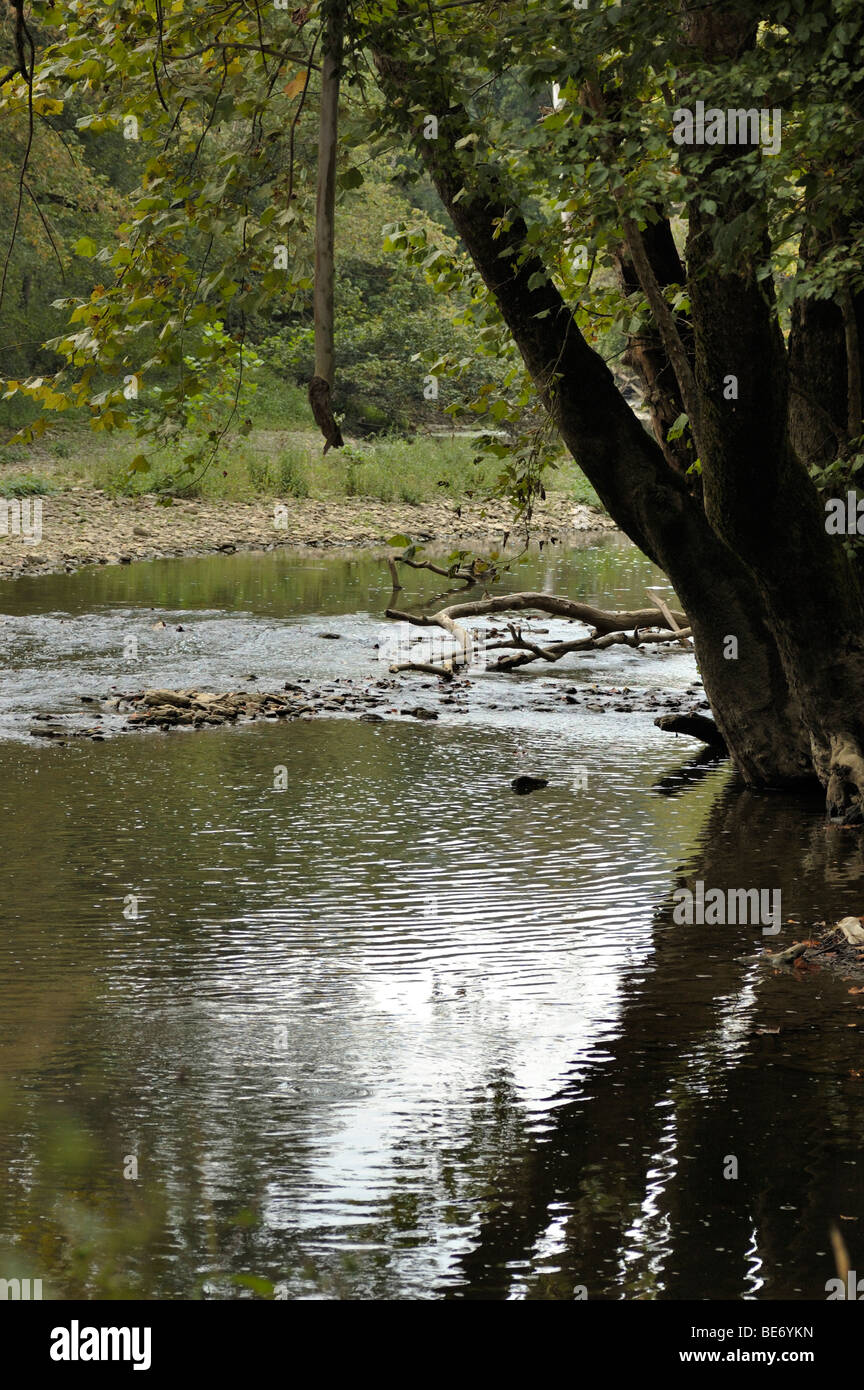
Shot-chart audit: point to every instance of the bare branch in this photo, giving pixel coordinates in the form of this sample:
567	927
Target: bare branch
635	628
602	619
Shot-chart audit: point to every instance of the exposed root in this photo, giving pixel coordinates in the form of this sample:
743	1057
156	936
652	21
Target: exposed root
840	767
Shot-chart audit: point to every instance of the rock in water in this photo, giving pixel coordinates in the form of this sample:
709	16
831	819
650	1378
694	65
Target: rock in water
525	784
788	956
852	930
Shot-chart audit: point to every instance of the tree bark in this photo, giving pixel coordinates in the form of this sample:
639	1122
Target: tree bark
759	498
321	385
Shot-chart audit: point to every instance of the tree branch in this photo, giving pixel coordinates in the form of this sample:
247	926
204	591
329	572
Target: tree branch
628	628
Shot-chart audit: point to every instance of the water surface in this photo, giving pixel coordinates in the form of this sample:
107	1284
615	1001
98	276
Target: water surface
394	1032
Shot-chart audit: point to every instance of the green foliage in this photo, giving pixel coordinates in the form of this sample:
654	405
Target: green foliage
210	221
183	267
291	476
841	474
24	485
73	196
392	325
222	369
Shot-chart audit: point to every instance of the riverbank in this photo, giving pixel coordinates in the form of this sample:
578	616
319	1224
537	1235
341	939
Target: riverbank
86	526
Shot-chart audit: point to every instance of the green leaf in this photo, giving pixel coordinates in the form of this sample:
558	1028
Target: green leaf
352	178
678	426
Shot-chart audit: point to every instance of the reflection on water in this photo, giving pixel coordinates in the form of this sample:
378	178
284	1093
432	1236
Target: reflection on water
394	1031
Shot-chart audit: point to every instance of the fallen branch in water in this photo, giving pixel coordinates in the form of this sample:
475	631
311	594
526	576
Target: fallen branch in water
632	628
477	572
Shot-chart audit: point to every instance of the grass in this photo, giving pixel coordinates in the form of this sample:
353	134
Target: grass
281	457
24	485
285	463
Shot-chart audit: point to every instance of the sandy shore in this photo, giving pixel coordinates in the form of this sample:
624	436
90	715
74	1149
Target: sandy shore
86	527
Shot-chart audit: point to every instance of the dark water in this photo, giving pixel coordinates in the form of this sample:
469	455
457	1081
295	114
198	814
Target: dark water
393	1031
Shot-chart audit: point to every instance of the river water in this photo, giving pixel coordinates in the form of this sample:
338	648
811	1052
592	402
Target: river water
394	1032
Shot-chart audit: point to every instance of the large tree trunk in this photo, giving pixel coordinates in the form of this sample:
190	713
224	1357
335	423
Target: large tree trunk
749	696
817	372
759	498
752	561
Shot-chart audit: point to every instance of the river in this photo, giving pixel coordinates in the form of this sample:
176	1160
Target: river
394	1032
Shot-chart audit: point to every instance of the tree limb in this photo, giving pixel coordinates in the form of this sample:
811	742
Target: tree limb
630	628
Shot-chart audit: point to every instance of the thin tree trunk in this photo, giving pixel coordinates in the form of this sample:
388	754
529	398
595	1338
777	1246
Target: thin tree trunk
321	385
646	353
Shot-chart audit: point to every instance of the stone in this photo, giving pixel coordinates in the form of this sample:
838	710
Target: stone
525	783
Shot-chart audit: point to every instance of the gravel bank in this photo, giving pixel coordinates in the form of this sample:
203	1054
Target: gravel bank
86	527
